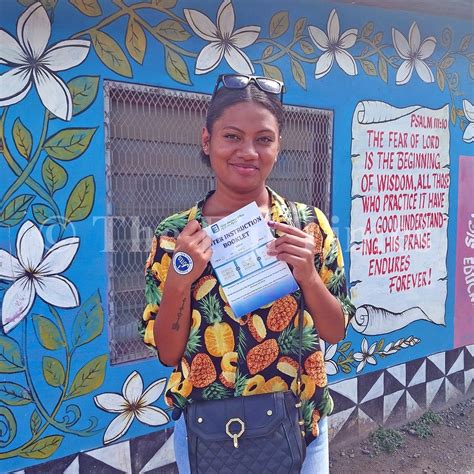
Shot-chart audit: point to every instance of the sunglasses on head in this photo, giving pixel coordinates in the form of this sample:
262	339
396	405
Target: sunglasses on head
241	81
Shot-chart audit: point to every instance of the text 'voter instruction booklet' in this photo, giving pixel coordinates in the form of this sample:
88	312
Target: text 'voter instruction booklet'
249	277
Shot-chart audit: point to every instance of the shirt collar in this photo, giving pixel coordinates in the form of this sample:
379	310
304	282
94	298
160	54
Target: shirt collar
279	211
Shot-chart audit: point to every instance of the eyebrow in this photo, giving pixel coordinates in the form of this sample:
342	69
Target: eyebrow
233	127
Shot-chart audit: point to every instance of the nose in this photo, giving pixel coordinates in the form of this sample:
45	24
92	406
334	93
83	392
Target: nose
248	150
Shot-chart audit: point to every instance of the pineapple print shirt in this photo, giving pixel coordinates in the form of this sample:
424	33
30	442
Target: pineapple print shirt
226	356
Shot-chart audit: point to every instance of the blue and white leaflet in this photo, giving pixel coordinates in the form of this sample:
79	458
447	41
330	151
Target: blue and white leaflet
249	276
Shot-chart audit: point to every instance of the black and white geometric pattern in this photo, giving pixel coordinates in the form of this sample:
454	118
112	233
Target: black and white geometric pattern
385	397
150	454
400	393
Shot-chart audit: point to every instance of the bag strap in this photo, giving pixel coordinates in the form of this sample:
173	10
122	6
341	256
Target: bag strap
295	217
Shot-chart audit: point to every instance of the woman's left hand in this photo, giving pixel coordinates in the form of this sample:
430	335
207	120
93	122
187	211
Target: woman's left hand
296	248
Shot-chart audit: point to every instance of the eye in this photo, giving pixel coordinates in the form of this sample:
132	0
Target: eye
265	140
231	136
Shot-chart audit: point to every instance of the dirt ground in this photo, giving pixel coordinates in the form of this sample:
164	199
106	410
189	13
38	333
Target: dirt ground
450	447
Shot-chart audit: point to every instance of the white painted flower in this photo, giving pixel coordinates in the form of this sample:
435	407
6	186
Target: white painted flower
329	352
31	62
334	47
469	114
413	52
366	356
224	42
135	403
36	273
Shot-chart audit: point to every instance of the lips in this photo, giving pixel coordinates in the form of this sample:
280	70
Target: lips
244	168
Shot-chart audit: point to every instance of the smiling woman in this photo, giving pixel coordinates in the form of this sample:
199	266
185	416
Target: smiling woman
188	319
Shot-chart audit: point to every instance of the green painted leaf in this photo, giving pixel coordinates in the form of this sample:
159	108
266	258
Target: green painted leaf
110	53
465	42
43	448
14	394
164	4
279	24
440	79
22	138
267	52
172	30
383	69
83	92
447	62
15	210
368	29
53	371
344	347
11	360
299	28
35	422
89	377
176	67
346	368
378	37
54	175
8	428
272	71
70	143
379	345
81	200
453	115
298	73
368	67
135	40
88	7
43	214
89	322
48	333
307	47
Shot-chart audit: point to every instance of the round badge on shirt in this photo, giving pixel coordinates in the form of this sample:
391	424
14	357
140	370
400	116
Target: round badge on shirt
182	263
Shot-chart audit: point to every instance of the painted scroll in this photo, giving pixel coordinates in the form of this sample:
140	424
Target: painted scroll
399	215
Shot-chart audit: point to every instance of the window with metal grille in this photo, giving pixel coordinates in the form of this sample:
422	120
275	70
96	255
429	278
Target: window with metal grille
153	169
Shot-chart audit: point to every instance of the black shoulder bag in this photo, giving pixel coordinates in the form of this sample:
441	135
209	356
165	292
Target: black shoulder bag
254	434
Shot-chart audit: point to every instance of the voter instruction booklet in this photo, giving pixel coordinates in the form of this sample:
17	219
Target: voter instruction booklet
249	276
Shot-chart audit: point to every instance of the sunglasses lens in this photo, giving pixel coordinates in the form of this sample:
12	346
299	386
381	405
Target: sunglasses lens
241	81
269	85
235	81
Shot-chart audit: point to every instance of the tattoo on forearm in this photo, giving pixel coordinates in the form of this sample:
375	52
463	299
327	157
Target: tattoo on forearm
175	326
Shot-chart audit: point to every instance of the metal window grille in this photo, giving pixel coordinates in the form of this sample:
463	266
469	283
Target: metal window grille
153	170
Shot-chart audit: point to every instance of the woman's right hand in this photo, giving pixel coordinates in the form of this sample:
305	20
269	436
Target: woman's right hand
197	244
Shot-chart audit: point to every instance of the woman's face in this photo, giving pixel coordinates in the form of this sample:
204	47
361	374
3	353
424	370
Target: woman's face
243	146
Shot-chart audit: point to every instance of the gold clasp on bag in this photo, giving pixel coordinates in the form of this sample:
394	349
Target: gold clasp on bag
235	436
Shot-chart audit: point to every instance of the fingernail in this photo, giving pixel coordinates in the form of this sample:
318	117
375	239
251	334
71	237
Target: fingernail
271	223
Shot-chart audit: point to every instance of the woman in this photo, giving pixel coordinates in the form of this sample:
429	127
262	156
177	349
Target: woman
188	318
